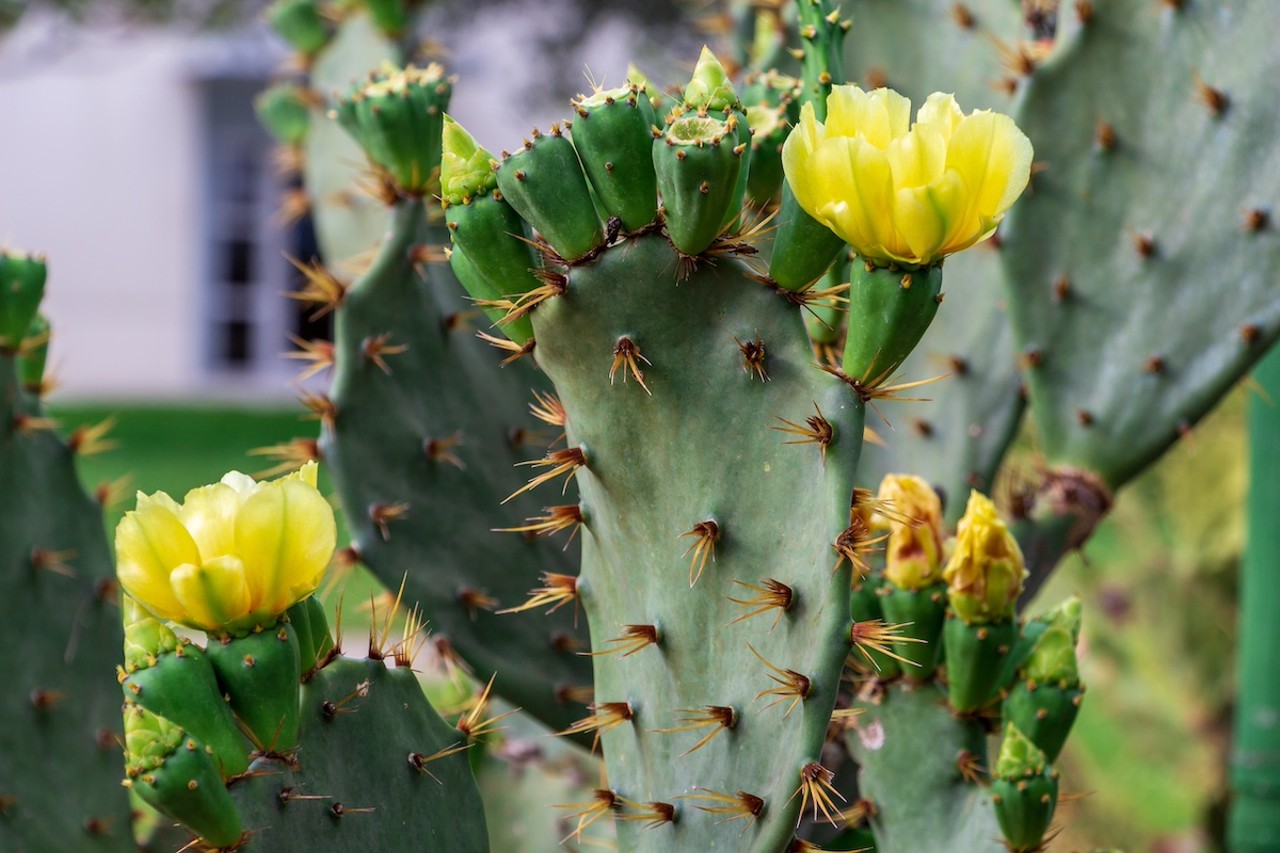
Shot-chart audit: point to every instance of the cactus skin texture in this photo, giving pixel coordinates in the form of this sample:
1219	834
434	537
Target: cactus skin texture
59	763
1161	163
364	781
436	436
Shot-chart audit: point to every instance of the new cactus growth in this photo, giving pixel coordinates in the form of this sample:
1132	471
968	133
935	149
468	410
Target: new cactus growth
1046	696
1024	790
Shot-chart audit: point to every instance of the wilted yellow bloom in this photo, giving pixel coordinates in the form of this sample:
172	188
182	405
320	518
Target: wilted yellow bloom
909	508
232	555
901	192
985	571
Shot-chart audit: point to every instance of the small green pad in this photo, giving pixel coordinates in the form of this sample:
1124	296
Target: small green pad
544	183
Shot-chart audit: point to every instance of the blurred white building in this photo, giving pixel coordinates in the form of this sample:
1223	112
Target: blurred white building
131	157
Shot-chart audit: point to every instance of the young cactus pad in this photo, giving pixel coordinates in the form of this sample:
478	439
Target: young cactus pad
59	762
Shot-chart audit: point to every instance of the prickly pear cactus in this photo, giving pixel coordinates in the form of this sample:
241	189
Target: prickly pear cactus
59	759
705	445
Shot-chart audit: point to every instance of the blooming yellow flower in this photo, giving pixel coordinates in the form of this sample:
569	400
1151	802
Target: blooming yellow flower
231	556
986	569
905	194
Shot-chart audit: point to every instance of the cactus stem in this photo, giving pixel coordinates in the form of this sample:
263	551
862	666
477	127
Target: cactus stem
717	718
604	717
816	430
473	723
739	806
627	353
557	518
655	814
564	463
381	515
753	355
707	534
773	595
602	802
816	787
873	635
791	684
633	639
557	590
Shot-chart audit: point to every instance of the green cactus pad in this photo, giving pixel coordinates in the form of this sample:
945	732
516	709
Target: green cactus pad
33	352
613	137
1142	264
975	656
254	672
921	613
367	777
489	236
391	16
698	161
910	748
59	763
544	183
1024	808
285	111
686	489
438	434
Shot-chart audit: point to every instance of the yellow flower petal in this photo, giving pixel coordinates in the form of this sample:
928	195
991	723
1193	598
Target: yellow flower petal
150	542
924	214
878	116
308	474
941	113
286	534
995	159
859	188
211	595
209	514
242	483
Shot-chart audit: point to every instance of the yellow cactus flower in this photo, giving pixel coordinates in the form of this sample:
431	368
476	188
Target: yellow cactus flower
909	508
233	555
900	193
986	569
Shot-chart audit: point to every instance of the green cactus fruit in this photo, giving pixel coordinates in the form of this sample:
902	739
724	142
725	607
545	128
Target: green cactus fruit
300	23
285	111
21	289
175	774
698	160
173	678
921	613
1066	615
825	322
768	131
613	137
1044	703
1140	266
975	657
376	769
544	182
650	94
922	767
1024	791
398	118
803	248
259	673
710	89
32	354
391	16
889	311
312	627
